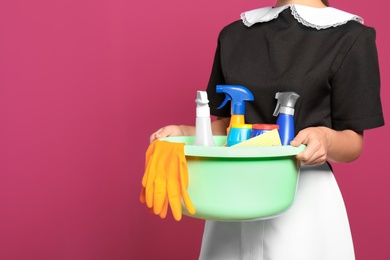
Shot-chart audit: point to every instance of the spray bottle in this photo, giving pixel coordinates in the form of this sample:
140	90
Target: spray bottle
285	115
238	95
203	136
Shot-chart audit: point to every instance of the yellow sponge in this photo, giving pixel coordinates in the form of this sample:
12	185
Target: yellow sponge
270	138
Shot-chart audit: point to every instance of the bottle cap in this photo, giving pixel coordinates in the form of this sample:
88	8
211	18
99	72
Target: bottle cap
265	126
202	104
241	126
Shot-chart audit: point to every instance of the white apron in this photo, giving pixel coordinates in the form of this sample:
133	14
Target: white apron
315	228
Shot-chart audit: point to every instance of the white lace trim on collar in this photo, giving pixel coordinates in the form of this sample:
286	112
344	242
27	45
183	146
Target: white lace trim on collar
318	18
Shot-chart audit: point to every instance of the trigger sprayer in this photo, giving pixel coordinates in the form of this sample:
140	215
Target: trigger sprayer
285	115
237	95
203	134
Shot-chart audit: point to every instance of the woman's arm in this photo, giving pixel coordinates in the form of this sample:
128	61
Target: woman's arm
218	127
324	144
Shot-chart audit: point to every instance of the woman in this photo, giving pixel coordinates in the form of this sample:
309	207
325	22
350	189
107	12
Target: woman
329	58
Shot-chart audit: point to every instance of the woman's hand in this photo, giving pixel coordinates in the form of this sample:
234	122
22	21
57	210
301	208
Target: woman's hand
218	128
323	143
172	130
316	140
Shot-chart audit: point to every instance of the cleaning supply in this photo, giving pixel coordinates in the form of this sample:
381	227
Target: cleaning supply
203	136
258	129
285	115
165	180
237	95
269	138
238	133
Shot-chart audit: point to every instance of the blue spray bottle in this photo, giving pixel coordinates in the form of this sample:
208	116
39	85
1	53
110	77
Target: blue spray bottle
237	95
285	112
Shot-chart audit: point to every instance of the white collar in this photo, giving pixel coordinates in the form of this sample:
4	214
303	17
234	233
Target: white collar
319	18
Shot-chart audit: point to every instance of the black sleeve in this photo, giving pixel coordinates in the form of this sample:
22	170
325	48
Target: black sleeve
356	102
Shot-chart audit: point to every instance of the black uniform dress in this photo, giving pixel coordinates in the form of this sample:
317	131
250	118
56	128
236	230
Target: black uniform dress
329	58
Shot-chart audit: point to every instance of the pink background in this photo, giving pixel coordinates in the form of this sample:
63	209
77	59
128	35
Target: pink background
82	85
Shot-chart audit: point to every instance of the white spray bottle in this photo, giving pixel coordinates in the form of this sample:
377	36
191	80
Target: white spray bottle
204	136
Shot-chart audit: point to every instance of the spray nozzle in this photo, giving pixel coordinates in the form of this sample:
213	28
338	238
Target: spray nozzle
286	103
201	98
202	104
237	95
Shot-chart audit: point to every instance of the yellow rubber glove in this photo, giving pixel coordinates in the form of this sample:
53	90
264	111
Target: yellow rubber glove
165	180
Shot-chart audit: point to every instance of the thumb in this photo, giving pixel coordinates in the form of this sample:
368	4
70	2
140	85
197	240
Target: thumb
298	140
158	134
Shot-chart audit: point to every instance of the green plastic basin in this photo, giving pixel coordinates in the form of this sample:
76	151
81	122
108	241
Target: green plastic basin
240	184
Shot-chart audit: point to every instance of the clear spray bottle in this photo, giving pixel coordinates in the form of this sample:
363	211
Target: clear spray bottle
203	136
